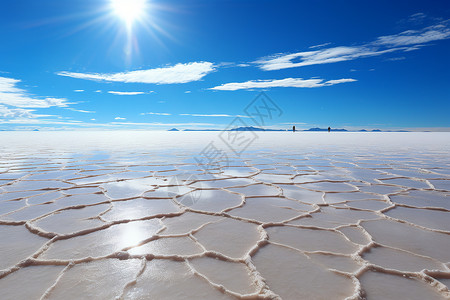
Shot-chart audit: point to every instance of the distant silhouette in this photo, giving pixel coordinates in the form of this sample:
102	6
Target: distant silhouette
329	129
293	128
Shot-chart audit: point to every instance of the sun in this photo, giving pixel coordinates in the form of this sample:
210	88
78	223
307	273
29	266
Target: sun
129	10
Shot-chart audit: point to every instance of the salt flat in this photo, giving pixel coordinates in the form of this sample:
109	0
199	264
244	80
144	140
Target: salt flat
188	215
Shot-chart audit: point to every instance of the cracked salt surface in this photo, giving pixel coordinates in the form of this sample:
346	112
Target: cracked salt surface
130	215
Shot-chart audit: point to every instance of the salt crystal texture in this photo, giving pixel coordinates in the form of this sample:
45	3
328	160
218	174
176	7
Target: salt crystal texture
134	215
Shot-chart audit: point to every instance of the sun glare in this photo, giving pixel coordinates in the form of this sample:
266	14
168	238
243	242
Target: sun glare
129	10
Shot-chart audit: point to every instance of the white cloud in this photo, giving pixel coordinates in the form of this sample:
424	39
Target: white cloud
119	118
92	119
80	110
98	91
324	56
319	46
403	42
187	92
78	91
164	124
416	37
6	112
215	115
179	73
206	115
417	17
10	94
40	121
126	93
287	82
396	58
153	113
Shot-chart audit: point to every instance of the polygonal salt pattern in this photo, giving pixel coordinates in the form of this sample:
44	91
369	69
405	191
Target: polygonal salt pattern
313	224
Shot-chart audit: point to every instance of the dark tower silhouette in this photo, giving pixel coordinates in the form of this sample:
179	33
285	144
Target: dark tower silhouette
329	129
293	128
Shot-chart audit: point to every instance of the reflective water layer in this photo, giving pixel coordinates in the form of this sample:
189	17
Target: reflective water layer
151	215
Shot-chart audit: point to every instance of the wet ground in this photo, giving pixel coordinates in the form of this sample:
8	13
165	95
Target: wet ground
305	219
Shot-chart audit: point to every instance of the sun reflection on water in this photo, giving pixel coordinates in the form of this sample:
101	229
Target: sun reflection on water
132	234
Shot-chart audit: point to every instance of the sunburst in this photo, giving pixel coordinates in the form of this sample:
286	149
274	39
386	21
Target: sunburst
130	11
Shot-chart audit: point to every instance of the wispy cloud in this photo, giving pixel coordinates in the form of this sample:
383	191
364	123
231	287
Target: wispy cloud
179	73
417	17
155	113
416	37
35	121
402	42
119	118
12	95
11	113
79	91
206	115
156	124
80	110
287	82
214	115
396	58
126	93
319	46
324	56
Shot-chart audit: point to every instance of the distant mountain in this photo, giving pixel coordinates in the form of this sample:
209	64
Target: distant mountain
341	129
324	129
248	128
314	129
251	128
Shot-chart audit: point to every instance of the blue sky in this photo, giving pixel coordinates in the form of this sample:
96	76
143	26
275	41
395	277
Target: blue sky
198	63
